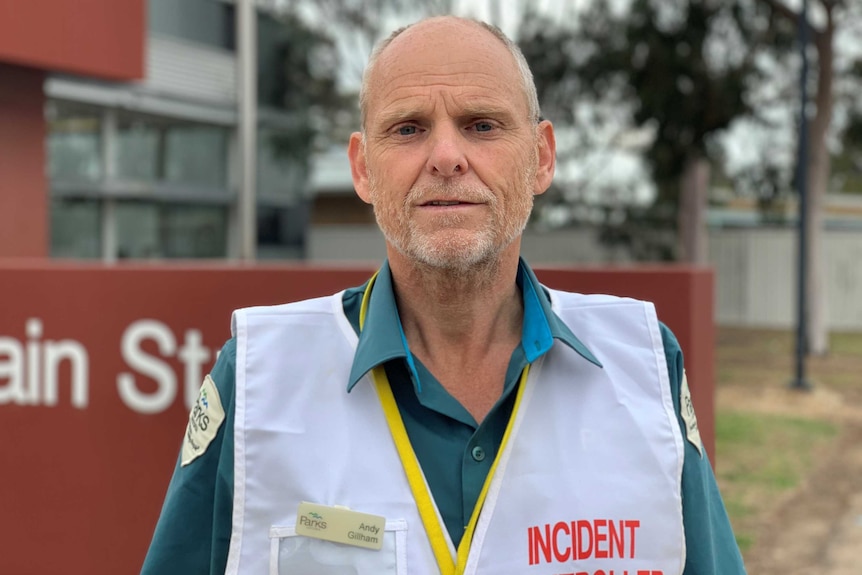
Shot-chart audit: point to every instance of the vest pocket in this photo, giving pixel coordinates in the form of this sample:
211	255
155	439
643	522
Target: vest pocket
292	554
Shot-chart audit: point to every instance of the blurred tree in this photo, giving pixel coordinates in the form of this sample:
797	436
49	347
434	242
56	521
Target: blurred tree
825	92
299	73
299	108
666	80
361	23
850	159
685	71
664	63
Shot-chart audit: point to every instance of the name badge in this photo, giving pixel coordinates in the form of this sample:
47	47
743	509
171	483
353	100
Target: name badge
340	525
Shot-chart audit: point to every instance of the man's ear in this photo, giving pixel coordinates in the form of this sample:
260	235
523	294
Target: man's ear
358	168
547	152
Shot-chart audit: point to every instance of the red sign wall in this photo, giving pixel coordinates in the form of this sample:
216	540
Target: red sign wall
98	366
104	38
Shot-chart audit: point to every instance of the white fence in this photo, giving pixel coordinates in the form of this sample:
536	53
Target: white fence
755	268
340	243
756	283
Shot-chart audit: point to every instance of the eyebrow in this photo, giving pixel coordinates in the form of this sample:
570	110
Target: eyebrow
467	111
397	116
484	111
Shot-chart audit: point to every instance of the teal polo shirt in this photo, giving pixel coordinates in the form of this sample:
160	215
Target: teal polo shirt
455	451
192	535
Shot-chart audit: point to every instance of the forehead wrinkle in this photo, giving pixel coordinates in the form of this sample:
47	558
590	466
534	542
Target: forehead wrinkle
459	98
450	74
446	56
455	108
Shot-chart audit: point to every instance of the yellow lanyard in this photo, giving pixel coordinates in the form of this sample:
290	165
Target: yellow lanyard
424	501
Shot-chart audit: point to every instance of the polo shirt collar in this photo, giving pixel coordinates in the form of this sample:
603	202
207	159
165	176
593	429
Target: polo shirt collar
382	337
539	319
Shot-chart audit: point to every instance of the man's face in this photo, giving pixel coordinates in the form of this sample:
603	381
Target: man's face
450	160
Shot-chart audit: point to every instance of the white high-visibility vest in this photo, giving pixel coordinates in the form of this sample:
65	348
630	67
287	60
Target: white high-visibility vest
587	482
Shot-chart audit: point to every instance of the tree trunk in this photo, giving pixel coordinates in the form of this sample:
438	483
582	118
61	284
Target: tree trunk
694	189
819	168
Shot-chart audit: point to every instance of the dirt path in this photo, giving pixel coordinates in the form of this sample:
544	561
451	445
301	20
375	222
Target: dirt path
817	528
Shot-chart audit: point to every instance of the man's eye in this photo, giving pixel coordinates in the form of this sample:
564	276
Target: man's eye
483	126
406	130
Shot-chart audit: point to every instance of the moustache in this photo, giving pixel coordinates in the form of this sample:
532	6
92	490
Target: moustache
447	190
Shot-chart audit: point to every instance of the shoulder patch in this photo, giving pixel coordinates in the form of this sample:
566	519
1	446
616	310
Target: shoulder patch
205	419
686	408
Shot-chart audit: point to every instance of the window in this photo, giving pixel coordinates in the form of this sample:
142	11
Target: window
74	142
281	231
166	230
76	228
281	174
133	185
164	193
153	150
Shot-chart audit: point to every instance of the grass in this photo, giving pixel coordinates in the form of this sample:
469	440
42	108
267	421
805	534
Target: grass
762	458
763	454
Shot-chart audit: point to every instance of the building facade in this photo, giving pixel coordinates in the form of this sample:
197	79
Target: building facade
136	157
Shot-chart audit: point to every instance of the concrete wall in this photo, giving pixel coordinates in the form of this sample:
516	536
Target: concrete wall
345	243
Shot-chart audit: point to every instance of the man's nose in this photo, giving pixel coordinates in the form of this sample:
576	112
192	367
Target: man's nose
447	157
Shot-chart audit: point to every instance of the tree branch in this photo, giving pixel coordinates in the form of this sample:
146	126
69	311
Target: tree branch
782	10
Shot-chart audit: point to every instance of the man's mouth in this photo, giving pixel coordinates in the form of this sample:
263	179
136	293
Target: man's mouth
446	203
443	203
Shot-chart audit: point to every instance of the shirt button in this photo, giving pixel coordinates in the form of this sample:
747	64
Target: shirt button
478	453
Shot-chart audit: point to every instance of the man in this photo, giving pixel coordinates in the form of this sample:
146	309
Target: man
451	415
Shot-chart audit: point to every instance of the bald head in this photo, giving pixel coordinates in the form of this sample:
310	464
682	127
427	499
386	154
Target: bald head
445	29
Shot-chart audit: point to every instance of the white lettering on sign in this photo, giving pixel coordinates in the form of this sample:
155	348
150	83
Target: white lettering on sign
192	354
29	372
148	365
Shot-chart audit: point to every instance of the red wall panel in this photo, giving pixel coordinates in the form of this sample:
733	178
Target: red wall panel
23	184
103	38
85	471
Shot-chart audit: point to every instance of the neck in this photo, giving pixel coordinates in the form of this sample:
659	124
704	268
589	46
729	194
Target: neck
470	308
462	324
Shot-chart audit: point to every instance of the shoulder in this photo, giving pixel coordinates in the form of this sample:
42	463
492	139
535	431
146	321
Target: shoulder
673	356
194	525
326	305
223	372
608	314
568	300
675	371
